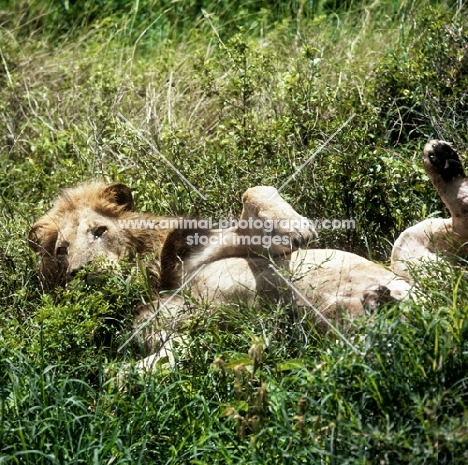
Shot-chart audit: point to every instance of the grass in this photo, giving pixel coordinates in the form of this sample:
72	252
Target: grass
234	95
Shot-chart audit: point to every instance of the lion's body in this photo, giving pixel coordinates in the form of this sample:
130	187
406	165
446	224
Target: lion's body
96	220
325	280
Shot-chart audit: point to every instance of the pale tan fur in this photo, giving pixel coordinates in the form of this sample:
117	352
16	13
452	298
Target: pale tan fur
96	220
85	223
437	238
453	192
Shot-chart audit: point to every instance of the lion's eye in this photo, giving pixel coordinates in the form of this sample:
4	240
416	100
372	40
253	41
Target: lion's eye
62	250
98	232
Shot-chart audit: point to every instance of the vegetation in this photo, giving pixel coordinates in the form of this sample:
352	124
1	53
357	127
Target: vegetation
233	94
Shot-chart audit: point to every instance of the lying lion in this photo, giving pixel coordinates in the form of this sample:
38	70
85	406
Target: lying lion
97	220
436	238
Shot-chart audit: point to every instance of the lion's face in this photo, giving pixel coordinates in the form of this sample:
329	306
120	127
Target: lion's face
81	227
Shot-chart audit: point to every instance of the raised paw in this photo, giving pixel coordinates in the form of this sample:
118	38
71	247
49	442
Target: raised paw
441	159
268	214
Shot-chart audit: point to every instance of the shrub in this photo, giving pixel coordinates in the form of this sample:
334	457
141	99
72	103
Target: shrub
420	87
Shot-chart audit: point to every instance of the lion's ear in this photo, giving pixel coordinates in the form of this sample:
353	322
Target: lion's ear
42	239
34	240
119	194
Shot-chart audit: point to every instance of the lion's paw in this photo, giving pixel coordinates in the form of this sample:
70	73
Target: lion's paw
300	232
276	217
376	296
440	158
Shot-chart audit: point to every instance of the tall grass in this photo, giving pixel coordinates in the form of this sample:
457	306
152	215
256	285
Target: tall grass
234	94
399	398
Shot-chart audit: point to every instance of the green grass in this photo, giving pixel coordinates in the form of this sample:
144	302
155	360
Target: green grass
234	95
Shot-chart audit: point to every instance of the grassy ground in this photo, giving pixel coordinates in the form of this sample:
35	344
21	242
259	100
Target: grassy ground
234	95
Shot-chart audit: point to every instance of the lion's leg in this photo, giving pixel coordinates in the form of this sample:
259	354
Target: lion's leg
268	226
420	243
444	167
157	330
424	241
162	358
164	355
278	227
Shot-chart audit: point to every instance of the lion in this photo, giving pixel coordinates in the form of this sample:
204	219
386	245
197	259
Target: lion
437	239
97	220
266	255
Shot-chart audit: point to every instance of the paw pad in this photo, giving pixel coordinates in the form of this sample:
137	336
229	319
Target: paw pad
443	159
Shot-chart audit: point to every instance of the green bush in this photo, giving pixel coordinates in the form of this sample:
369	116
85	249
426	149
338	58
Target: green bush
421	86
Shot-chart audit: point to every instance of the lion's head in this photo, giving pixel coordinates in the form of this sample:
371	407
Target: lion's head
83	225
